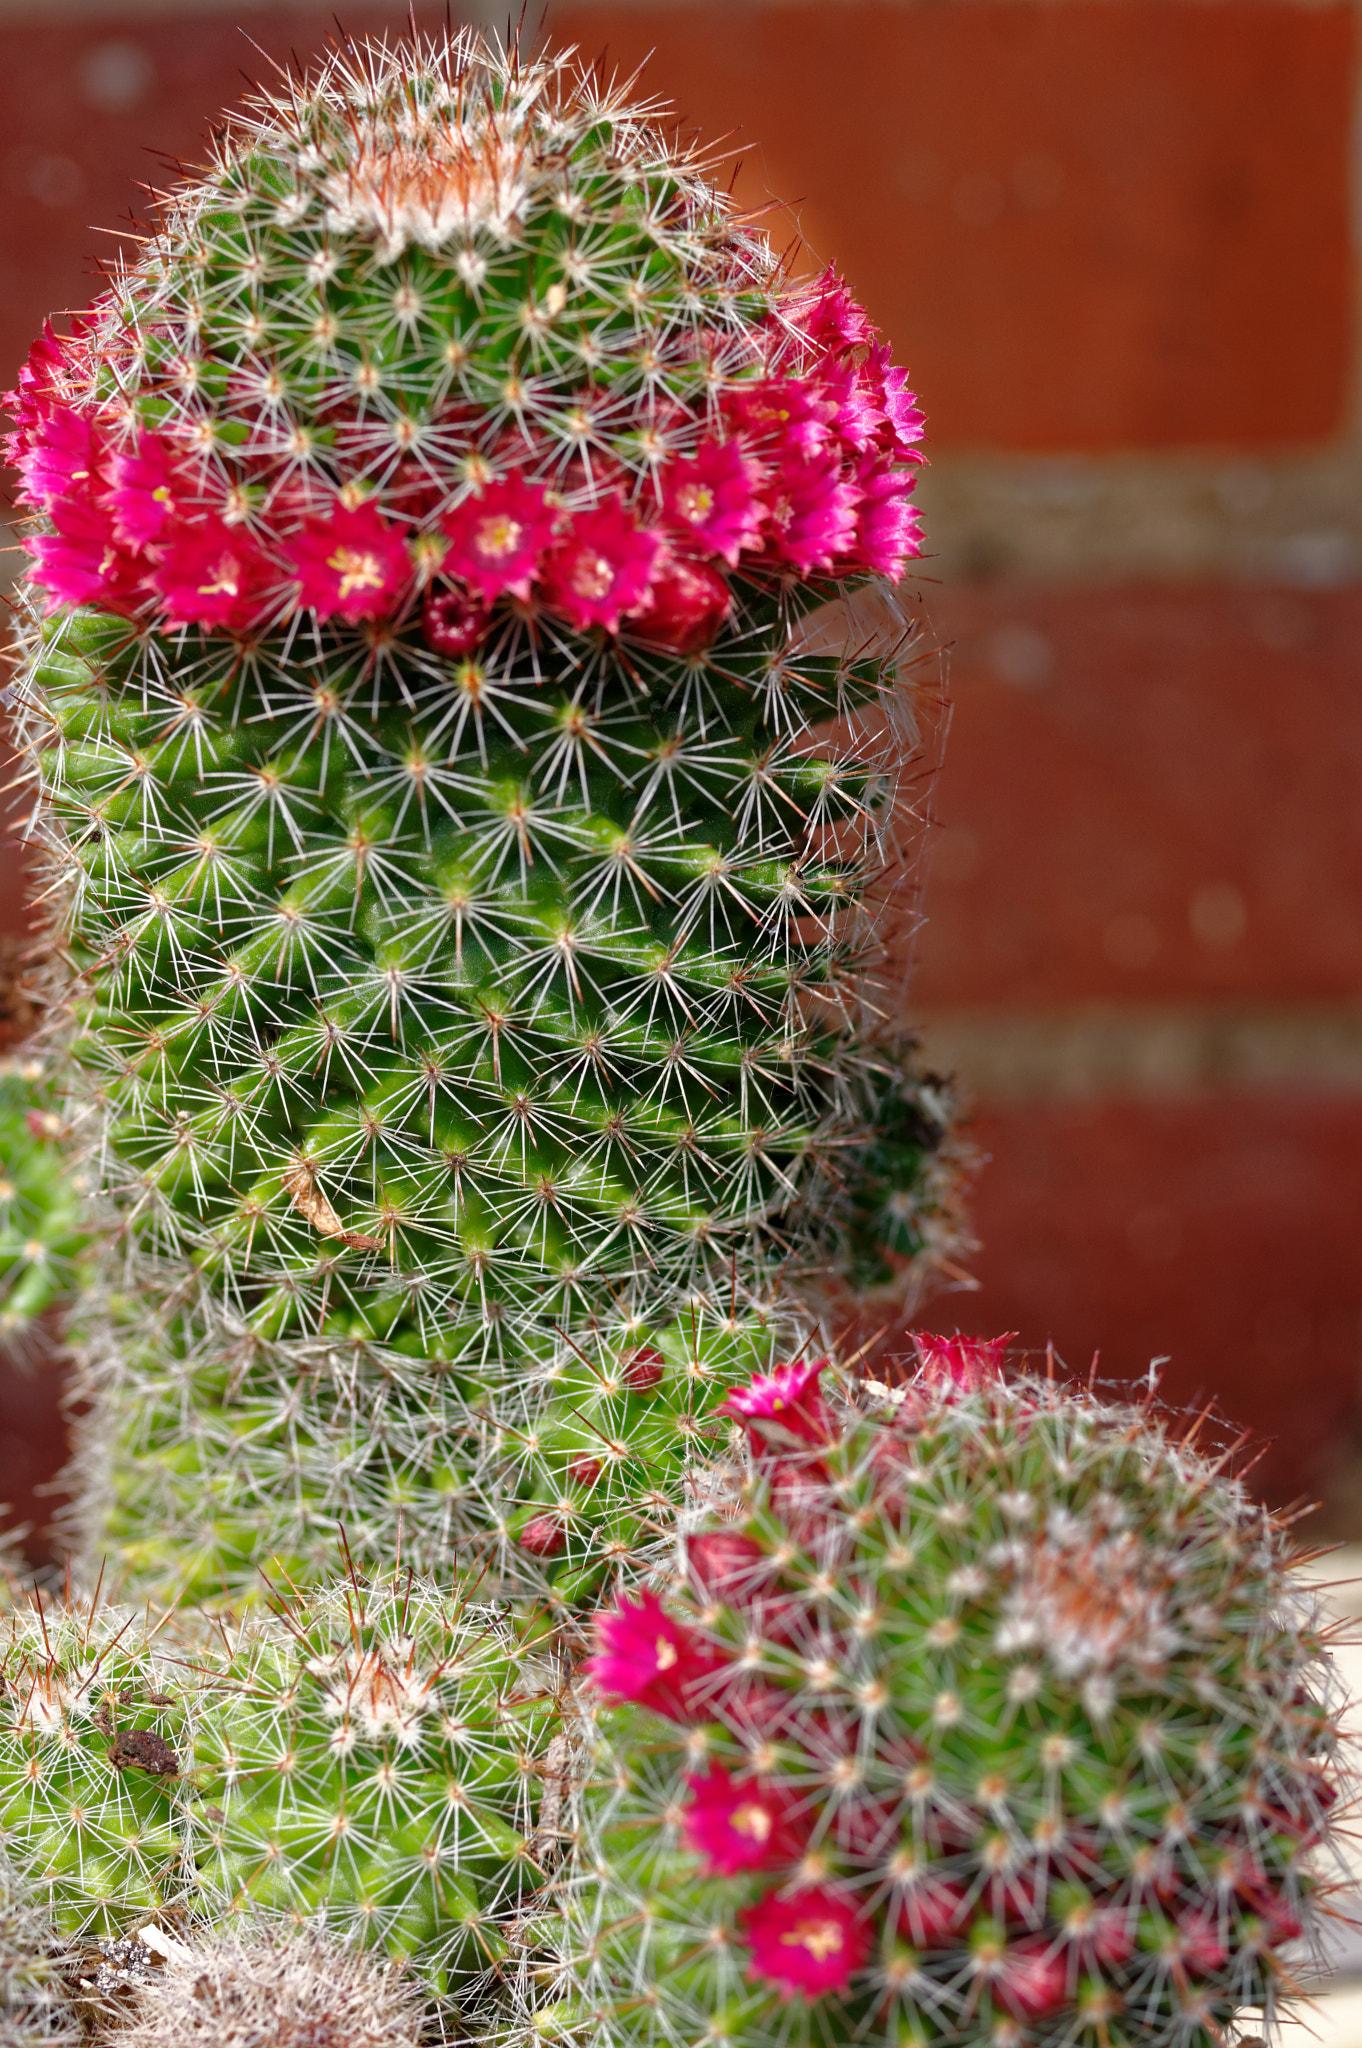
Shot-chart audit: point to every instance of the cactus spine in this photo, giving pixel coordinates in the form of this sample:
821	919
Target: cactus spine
475	938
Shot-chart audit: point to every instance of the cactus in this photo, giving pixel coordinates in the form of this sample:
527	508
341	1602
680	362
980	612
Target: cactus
42	1223
983	1711
366	1759
453	528
275	1989
36	2010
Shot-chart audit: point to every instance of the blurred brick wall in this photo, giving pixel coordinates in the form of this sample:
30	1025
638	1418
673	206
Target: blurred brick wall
1113	240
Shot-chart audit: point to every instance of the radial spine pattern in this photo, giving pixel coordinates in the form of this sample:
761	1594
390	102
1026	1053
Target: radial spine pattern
455	529
981	1713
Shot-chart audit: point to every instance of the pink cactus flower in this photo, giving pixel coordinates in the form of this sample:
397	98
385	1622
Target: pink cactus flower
1031	1979
811	510
584	1470
644	1656
830	317
888	529
351	565
963	1364
498	537
904	423
212	574
738	1827
789	1397
36	394
711	499
83	563
66	458
686	605
781	417
454	622
601	568
545	1536
150	488
808	1943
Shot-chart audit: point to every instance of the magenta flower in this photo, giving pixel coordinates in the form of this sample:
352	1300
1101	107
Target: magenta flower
601	568
1031	1979
858	408
66	459
36	394
497	538
810	512
686	605
789	1396
963	1364
351	565
150	487
781	416
82	562
711	499
737	1827
644	1656
904	423
830	317
888	530
454	622
212	574
808	1943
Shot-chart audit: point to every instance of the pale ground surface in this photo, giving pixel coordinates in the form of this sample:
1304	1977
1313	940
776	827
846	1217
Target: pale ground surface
1336	2021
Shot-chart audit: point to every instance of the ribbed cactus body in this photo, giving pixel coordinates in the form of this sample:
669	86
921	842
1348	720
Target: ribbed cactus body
474	932
367	1760
981	1716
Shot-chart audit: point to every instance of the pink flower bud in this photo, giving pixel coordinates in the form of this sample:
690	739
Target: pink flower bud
642	1370
727	1566
960	1364
545	1536
1032	1979
584	1470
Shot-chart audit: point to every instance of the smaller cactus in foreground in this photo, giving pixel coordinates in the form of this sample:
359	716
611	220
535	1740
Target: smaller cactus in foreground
984	1713
35	2008
42	1228
278	1990
366	1758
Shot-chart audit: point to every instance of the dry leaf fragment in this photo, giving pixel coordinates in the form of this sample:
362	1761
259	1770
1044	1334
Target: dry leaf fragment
302	1184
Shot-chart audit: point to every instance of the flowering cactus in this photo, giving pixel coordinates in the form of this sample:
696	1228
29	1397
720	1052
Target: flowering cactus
983	1712
428	628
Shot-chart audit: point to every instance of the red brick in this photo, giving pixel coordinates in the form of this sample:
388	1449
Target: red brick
33	1442
1222	1232
1162	761
1099	224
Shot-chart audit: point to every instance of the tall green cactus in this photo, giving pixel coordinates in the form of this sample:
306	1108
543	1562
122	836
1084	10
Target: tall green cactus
432	676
